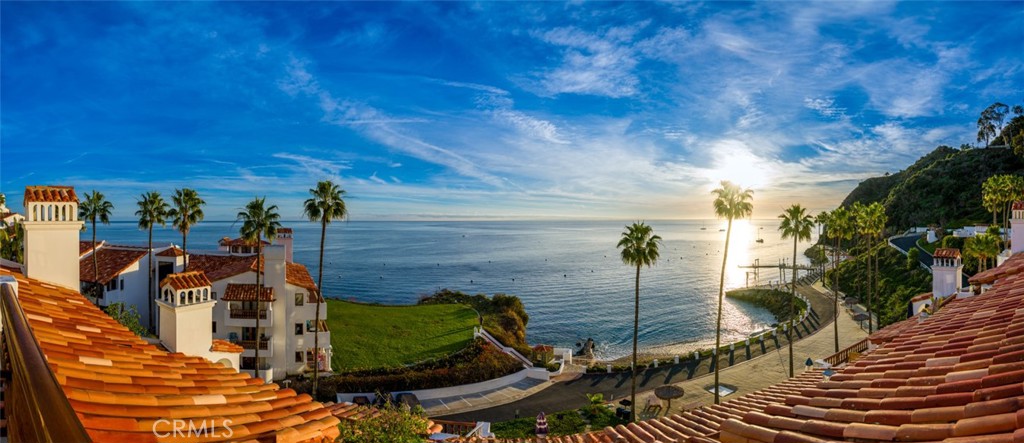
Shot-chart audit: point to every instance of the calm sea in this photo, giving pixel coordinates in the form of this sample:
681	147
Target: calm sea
568	273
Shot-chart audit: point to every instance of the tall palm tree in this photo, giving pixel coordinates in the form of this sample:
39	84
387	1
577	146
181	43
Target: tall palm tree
876	221
258	220
983	247
326	204
187	212
863	229
152	211
639	247
840	228
731	202
822	221
796	224
95	207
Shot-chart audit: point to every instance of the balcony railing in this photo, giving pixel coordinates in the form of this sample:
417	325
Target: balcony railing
247	314
844	356
36	407
251	344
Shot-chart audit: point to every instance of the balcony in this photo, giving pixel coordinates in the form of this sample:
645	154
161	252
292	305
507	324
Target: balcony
249	347
237	316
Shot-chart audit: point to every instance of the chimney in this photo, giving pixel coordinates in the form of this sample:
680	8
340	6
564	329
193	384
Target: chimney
947	268
51	235
186	313
1017	228
284	238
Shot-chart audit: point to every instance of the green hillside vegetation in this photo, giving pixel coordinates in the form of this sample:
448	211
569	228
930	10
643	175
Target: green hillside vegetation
943	187
776	302
897	285
504	316
366	336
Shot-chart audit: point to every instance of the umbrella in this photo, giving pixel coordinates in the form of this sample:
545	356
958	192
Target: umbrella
851	300
668	392
542	425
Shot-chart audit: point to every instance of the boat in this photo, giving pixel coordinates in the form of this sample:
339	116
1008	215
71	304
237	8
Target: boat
759	239
704	227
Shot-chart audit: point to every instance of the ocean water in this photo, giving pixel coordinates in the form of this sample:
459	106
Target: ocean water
568	273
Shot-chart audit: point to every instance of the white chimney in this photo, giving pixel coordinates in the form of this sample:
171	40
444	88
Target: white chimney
284	238
186	313
51	235
1017	228
947	269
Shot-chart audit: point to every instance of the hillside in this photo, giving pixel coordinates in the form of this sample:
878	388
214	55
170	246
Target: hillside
943	187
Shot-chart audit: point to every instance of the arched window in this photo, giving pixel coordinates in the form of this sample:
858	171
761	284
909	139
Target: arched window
206	294
181	298
191	297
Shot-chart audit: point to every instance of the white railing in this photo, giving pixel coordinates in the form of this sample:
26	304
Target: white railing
480	332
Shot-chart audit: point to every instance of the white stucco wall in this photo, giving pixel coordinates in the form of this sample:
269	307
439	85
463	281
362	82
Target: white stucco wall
51	252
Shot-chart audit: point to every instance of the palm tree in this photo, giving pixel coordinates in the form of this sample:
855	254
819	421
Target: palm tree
731	202
876	221
840	228
258	220
796	224
326	204
152	211
187	212
95	206
863	229
984	247
639	248
822	221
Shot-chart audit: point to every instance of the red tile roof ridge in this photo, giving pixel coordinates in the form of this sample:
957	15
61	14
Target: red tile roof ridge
110	261
50	194
1012	266
247	292
946	253
218	345
186	280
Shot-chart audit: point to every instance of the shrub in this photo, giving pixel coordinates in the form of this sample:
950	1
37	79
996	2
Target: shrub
391	425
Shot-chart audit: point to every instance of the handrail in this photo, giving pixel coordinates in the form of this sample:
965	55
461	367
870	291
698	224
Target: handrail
844	356
456	427
36	407
247	314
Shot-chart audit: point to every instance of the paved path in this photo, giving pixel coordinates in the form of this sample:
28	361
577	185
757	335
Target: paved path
487	399
766	366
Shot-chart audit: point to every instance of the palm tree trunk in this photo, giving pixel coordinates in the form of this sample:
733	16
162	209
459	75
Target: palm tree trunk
721	293
316	321
95	266
789	331
835	292
184	250
152	323
867	272
259	303
636	333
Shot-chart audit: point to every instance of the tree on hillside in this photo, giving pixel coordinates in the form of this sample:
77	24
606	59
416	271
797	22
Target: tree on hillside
326	204
152	211
990	122
259	220
95	207
796	224
187	212
983	247
840	228
822	221
731	202
860	222
639	247
876	221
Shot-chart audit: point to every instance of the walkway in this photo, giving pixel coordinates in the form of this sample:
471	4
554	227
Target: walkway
758	372
487	399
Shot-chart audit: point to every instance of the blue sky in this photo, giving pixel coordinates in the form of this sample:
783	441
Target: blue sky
462	110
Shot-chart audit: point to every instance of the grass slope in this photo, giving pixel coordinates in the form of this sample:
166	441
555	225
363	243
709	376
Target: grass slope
374	336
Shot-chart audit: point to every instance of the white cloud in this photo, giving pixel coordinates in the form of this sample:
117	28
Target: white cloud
592	64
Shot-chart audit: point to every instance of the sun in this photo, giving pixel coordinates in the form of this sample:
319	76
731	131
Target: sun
741	167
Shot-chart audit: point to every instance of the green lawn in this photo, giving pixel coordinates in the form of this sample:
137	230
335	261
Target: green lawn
371	336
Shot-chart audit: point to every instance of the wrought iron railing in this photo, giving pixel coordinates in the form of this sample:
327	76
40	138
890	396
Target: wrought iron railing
456	427
34	402
247	314
251	344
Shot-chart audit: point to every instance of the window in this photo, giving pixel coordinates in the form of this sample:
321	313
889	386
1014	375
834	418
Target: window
213	295
112	285
214	327
298	356
300	299
298	329
122	284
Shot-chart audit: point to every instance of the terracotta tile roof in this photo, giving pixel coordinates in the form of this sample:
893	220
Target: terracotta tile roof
219	267
50	194
173	251
946	253
957	376
1018	205
85	246
225	346
111	262
1012	266
239	242
284	230
186	280
247	292
122	387
921	297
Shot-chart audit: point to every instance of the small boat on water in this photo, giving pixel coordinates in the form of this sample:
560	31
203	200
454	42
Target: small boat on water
759	239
